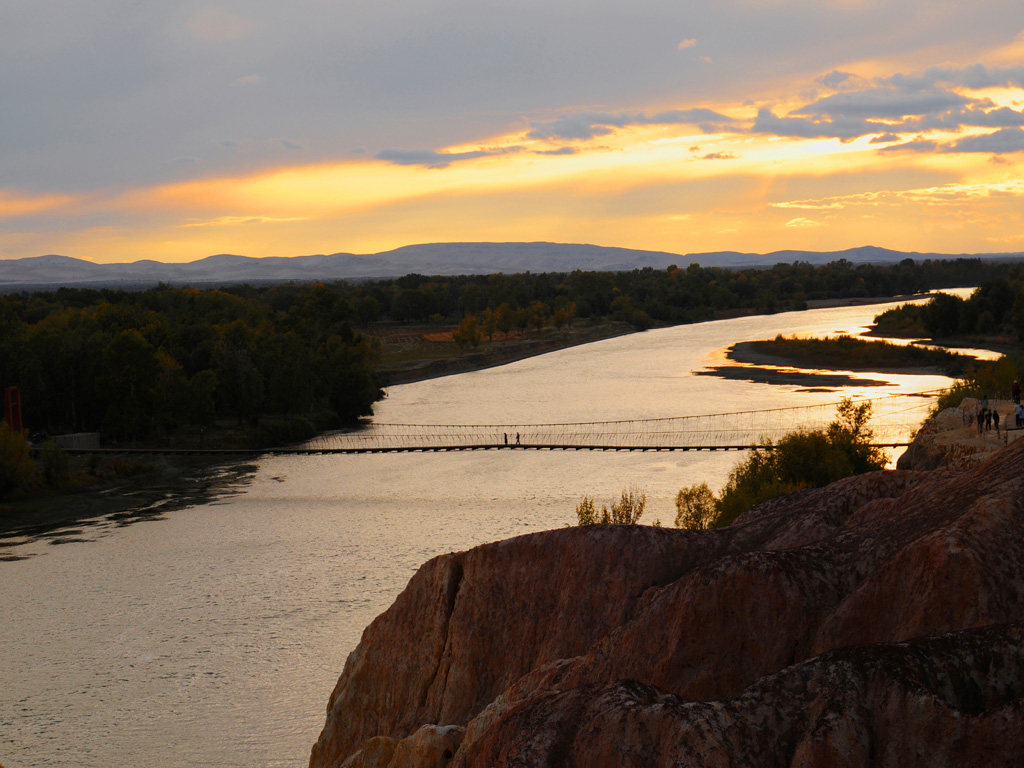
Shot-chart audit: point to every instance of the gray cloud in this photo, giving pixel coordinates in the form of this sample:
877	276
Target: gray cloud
974	76
837	80
289	144
432	159
883	103
588	125
1002	141
918	145
559	151
1003	117
806	128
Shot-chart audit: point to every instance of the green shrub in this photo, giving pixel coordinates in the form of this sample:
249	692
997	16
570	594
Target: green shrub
801	459
630	507
696	508
586	514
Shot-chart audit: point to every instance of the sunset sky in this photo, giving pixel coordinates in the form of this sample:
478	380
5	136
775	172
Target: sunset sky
172	131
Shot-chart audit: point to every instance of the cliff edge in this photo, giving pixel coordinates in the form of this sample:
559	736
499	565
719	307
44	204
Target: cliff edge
951	439
878	621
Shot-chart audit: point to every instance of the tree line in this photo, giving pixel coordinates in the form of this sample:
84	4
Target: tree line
648	297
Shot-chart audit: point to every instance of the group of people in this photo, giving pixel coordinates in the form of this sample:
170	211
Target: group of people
988	417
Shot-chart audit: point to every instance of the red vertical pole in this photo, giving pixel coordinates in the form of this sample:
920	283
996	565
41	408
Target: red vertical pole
12	408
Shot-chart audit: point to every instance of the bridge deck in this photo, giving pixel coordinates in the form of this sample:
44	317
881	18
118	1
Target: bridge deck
425	449
893	422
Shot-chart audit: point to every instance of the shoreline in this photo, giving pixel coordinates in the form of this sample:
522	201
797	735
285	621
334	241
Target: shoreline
163	484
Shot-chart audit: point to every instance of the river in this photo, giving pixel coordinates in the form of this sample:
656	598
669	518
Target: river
212	635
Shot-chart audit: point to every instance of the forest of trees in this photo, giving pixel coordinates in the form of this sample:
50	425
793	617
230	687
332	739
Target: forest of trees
996	308
134	364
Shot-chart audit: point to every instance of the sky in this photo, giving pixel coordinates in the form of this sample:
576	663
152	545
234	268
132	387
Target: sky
131	129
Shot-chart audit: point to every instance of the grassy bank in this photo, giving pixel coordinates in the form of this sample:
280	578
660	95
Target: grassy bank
416	353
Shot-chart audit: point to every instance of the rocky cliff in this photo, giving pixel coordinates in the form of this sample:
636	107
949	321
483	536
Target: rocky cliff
873	622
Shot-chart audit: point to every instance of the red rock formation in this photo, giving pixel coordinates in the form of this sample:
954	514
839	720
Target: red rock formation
771	642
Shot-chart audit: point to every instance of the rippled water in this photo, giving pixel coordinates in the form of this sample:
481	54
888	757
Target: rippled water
212	635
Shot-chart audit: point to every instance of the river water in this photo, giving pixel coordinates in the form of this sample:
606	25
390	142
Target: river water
212	635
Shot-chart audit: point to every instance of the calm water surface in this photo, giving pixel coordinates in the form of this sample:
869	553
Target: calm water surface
213	635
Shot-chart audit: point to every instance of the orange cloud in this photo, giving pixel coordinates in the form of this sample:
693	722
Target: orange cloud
14	203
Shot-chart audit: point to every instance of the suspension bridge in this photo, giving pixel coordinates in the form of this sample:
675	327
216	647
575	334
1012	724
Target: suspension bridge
894	420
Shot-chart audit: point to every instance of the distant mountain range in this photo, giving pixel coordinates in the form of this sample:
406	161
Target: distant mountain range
430	259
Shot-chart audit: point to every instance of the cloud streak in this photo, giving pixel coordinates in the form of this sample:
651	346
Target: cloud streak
234	221
588	125
948	194
438	160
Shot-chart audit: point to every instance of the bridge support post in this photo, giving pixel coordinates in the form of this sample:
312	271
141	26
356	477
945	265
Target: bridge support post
12	409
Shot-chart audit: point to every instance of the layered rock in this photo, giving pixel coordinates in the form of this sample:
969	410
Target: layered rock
870	622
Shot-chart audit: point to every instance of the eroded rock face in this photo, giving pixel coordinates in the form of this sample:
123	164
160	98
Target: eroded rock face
861	624
949	700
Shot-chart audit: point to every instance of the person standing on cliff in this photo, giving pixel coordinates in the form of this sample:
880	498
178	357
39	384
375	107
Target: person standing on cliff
1015	392
995	420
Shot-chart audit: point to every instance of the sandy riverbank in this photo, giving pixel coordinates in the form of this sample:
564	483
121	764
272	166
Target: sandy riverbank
752	364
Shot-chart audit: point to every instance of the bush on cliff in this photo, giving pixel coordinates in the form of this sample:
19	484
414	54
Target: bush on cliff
626	511
696	508
801	459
